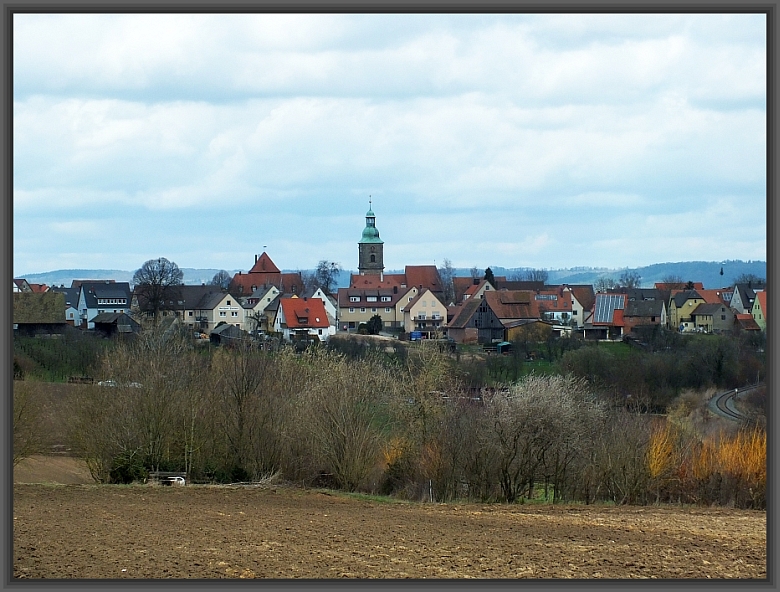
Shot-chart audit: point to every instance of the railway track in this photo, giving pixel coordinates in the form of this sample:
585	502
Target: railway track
723	403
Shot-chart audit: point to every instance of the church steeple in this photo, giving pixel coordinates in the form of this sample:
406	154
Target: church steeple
370	256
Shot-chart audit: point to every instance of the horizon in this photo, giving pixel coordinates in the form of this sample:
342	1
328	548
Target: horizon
545	141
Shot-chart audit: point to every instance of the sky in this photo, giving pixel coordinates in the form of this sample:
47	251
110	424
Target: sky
515	140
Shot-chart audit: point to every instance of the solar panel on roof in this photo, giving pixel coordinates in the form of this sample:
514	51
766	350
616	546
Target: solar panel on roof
606	304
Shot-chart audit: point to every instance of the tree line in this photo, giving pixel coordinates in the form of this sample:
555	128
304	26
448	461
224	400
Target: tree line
402	425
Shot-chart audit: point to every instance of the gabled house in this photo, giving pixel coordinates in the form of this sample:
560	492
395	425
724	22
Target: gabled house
474	321
357	305
21	285
743	297
111	324
255	305
39	313
477	290
582	299
102	296
303	318
554	305
715	317
425	313
745	322
513	305
759	309
331	304
607	319
71	304
263	274
681	305
643	314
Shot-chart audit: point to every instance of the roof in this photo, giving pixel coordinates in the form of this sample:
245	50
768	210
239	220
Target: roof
683	296
605	307
552	301
426	276
39	307
644	308
668	286
304	313
761	297
707	308
464	312
105	289
584	295
512	304
372	280
71	295
263	264
124	323
746	321
344	294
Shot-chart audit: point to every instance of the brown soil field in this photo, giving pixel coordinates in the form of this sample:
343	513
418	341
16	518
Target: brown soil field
146	531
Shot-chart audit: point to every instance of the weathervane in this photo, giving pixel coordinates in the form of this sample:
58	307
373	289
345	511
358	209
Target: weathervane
369	202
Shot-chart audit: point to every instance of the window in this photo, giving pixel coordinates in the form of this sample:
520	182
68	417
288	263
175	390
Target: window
388	309
189	314
362	309
228	302
373	258
370	298
351	309
373	309
354	298
425	303
386	299
234	314
223	314
319	331
722	317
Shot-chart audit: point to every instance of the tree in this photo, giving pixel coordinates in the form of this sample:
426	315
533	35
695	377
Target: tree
749	278
673	282
603	284
327	274
489	277
629	279
535	275
222	279
446	273
157	285
374	325
474	271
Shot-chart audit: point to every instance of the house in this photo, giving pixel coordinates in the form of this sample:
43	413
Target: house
71	304
358	304
263	274
643	314
759	309
255	306
477	289
331	304
97	297
744	296
583	298
681	305
554	305
303	319
474	321
716	317
425	313
111	324
227	335
745	322
512	305
39	313
21	285
607	320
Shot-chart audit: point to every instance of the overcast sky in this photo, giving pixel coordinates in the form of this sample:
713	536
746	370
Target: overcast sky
546	141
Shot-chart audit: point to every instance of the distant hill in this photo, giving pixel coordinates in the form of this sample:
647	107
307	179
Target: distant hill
707	272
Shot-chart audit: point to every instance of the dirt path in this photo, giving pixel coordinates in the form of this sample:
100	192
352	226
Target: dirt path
90	531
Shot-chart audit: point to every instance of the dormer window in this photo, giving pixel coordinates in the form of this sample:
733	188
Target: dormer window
354	298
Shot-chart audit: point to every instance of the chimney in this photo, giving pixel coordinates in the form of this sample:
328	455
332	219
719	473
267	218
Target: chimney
395	289
255	258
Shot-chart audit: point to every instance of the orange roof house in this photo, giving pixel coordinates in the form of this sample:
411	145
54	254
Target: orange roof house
302	317
264	274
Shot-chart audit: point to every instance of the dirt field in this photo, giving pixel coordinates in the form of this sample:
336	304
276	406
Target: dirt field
143	531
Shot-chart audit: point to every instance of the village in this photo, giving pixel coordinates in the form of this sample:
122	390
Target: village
418	304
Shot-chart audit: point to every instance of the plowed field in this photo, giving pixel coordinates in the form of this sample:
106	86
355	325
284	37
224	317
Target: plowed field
143	531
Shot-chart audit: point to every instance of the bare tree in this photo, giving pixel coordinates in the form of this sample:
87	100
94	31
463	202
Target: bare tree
222	279
157	284
673	281
749	278
446	273
475	272
629	279
536	275
28	431
603	284
327	275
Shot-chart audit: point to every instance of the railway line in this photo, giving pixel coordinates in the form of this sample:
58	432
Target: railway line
723	403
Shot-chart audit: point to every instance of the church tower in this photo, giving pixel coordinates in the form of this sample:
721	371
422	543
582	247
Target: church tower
370	259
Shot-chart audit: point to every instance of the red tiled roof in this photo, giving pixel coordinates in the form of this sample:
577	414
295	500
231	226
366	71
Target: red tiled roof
370	280
426	276
512	304
761	297
264	265
300	313
711	296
